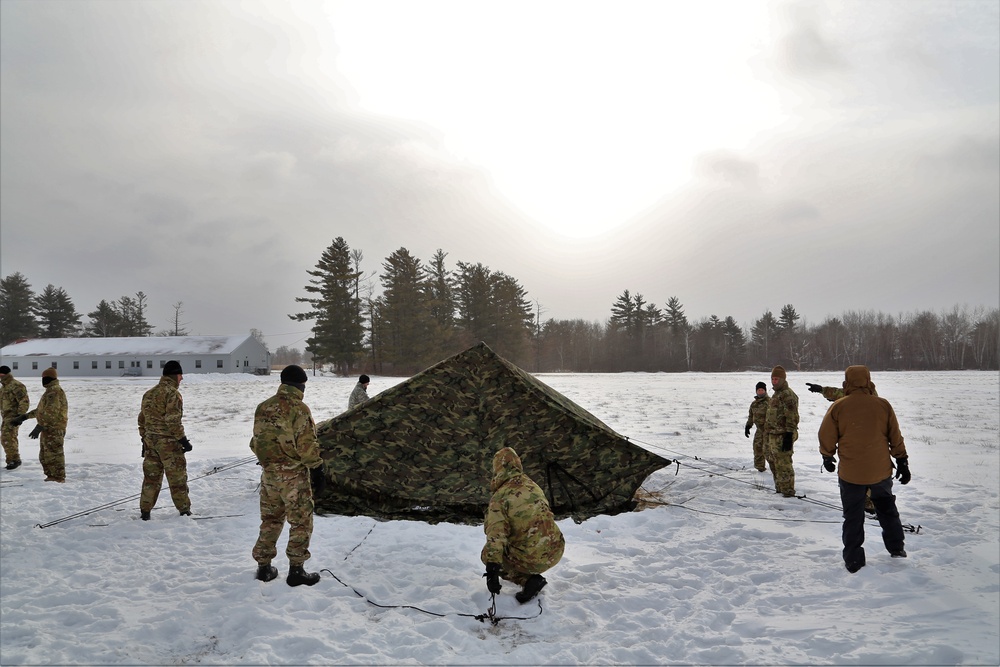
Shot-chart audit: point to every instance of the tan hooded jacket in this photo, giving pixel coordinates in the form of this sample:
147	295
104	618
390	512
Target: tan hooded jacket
862	428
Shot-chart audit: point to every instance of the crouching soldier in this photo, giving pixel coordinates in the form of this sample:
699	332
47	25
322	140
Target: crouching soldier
284	440
522	538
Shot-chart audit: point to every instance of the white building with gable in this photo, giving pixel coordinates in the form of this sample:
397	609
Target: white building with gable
92	357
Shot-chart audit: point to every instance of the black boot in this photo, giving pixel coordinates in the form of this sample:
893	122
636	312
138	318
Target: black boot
144	515
11	465
298	576
266	572
535	583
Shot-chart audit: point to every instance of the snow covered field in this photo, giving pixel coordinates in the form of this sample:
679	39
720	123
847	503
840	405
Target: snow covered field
727	573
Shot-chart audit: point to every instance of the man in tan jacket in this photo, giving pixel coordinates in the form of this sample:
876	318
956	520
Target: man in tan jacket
862	428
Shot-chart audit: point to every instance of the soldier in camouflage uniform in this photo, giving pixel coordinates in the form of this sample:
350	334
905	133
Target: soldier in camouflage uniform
756	417
522	538
284	440
360	393
14	404
51	415
164	443
782	426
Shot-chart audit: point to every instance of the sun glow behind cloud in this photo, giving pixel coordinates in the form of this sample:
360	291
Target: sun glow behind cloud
584	114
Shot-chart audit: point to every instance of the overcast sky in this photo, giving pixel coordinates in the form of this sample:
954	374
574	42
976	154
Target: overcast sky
737	155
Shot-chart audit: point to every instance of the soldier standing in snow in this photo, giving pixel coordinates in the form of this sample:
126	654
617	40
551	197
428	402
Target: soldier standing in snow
360	393
522	537
862	427
757	416
51	415
782	426
284	440
164	443
14	404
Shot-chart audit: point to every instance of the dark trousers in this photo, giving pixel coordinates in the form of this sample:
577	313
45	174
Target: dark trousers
853	498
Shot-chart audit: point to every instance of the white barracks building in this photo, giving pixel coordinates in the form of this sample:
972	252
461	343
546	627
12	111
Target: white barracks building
92	357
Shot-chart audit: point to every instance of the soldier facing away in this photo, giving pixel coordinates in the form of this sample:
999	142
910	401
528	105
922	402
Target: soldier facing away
284	440
757	417
14	404
863	430
163	443
51	416
522	537
782	425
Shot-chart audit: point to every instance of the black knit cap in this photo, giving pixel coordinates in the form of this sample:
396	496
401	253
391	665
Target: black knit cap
364	379
761	385
292	374
4	370
172	368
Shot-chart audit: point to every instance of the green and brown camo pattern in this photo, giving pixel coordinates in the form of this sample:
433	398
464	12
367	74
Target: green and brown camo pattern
423	449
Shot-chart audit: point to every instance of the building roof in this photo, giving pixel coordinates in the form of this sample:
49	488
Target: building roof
147	346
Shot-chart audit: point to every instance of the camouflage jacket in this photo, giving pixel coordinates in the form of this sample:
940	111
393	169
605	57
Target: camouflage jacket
758	412
782	411
518	520
358	396
52	411
13	398
284	434
162	410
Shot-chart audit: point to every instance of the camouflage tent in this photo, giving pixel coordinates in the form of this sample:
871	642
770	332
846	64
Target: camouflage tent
423	449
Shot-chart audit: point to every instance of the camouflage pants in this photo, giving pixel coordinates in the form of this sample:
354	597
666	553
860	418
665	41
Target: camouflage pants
759	456
164	456
8	438
526	562
50	454
285	494
781	465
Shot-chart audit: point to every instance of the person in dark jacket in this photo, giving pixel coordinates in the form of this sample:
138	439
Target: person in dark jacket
863	430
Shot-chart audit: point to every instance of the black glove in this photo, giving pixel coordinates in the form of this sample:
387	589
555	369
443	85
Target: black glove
317	478
829	463
186	444
903	470
18	420
142	450
818	388
747	432
493	578
34	432
786	442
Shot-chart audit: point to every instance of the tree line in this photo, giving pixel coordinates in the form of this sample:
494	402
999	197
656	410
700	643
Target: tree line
52	314
415	313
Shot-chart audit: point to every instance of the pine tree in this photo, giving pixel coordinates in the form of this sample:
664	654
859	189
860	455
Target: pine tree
441	293
406	322
57	315
338	331
105	321
17	310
